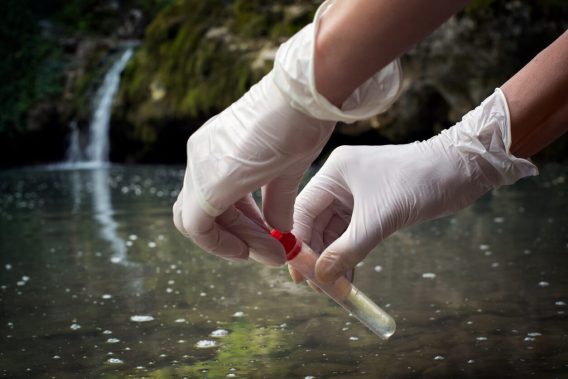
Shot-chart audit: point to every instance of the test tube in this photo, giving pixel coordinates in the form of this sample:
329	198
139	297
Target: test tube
342	291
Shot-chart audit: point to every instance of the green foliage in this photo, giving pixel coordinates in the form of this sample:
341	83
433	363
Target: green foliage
30	68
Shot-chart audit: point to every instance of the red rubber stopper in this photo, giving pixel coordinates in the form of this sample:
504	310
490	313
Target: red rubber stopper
288	242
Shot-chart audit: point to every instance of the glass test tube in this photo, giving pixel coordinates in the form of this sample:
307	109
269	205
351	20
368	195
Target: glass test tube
343	292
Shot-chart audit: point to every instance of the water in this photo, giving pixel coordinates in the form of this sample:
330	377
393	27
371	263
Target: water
98	148
96	282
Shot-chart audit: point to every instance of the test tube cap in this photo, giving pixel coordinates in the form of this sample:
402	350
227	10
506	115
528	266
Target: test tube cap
289	242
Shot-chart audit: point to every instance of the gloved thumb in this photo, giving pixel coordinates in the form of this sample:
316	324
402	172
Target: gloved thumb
343	254
278	199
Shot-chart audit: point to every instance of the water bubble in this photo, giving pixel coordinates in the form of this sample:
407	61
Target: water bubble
494	264
353	338
439	358
528	339
113	340
560	303
428	275
8	266
378	268
107	332
499	220
483	247
151	244
106	296
219	333
75	327
471	361
169	290
141	318
133	237
115	361
534	334
203	294
238	314
179	320
543	284
481	338
205	344
56	357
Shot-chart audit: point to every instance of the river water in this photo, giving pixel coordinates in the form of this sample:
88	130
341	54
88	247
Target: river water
96	282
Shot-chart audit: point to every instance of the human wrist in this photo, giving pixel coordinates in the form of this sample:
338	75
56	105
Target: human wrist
483	139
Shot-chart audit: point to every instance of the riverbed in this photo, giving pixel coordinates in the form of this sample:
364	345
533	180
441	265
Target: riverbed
96	282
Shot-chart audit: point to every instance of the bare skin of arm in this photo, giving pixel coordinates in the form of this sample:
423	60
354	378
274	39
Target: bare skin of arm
357	38
536	95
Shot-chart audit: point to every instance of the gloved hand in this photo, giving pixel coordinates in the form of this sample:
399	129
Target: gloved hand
363	194
267	139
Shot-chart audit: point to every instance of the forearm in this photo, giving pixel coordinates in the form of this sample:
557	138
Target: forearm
359	37
537	97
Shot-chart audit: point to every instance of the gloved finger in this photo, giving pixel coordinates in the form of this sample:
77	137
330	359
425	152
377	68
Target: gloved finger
262	247
335	228
297	277
208	234
318	229
176	214
342	255
312	201
278	197
248	206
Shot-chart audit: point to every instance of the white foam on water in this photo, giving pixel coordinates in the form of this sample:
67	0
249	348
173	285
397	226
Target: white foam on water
106	296
205	344
543	284
353	338
179	320
219	333
75	327
113	340
107	332
439	358
429	275
238	314
534	334
141	318
378	268
481	338
560	303
115	361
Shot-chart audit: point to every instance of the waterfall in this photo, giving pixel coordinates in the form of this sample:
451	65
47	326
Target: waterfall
97	150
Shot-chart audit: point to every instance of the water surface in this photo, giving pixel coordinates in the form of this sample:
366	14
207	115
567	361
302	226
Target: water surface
96	282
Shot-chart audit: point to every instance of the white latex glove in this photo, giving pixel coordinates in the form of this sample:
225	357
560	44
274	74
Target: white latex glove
363	194
267	139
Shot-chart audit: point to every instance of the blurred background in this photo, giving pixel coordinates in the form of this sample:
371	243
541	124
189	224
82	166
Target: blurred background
152	71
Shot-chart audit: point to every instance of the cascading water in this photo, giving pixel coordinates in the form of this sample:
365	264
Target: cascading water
97	150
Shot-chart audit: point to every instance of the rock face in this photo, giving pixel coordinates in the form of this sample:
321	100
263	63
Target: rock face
198	57
54	56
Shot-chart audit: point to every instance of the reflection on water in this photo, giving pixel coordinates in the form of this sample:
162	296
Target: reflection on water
481	294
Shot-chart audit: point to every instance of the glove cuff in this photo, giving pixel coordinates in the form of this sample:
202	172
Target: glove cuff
294	76
483	136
